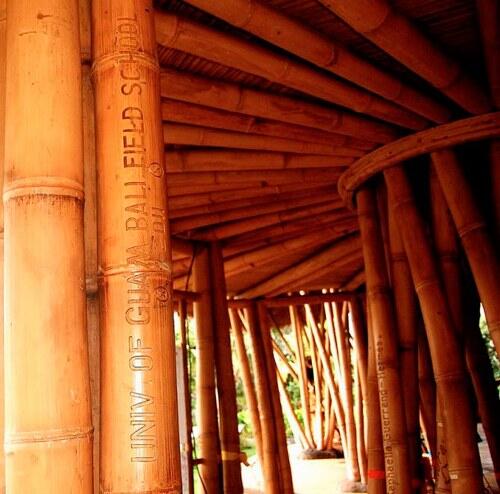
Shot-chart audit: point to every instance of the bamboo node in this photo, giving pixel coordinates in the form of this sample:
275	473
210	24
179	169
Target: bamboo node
469	228
47	436
421	285
50	186
109	61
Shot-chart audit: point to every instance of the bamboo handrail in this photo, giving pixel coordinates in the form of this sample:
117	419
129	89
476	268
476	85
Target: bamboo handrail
137	334
47	392
233	97
245	160
255	16
196	135
183	34
383	25
447	357
459	132
383	325
471	227
173	110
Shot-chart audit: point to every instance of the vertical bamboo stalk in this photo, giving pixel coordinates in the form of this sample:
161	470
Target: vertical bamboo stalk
446	354
269	442
248	386
360	432
398	475
284	461
473	233
405	305
184	403
47	395
226	391
139	430
206	405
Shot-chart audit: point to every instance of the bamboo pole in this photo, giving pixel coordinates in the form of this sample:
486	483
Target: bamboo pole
206	407
255	17
406	311
140	451
47	395
226	391
216	94
398	474
248	385
195	135
270	467
360	426
284	462
447	359
401	39
187	113
183	34
473	233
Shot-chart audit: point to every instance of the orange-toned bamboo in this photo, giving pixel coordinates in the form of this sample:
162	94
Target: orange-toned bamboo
248	385
232	97
405	305
360	426
181	33
447	357
139	452
47	392
195	135
226	391
208	447
270	467
383	325
382	24
284	461
187	113
474	235
255	16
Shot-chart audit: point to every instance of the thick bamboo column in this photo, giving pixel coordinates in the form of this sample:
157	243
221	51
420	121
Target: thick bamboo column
270	467
248	385
208	447
471	226
398	474
47	395
284	461
405	305
139	432
226	391
447	357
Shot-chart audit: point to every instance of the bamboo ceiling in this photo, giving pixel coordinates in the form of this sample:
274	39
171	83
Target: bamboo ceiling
256	136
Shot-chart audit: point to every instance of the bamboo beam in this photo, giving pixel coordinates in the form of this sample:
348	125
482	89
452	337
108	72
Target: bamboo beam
236	98
137	324
206	405
180	190
272	484
244	160
383	25
47	395
256	17
183	34
473	233
226	391
447	357
309	198
195	135
398	474
188	113
305	267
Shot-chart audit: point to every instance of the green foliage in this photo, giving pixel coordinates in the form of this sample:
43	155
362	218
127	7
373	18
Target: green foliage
495	361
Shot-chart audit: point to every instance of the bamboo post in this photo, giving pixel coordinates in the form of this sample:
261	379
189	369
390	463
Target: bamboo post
272	484
139	452
360	426
473	233
226	391
407	324
248	385
398	474
446	354
206	407
284	461
47	395
184	402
